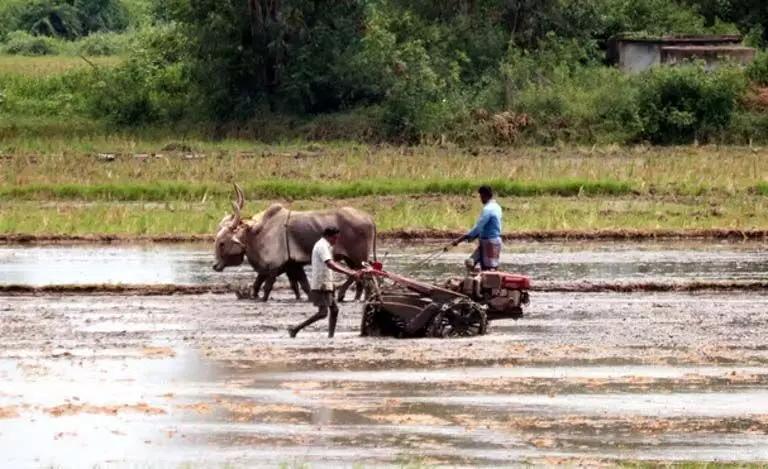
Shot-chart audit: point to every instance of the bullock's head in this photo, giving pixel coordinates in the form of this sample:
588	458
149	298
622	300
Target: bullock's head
229	249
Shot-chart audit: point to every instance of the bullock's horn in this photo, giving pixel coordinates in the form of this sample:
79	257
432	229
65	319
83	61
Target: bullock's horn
236	219
240	196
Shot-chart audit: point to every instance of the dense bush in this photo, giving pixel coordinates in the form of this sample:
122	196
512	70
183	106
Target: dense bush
22	43
68	19
758	70
680	104
151	86
102	44
493	71
45	96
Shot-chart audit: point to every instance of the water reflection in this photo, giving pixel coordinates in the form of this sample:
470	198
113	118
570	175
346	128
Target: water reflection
543	262
85	439
621	265
124	264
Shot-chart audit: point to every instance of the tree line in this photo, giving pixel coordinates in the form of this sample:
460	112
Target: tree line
490	70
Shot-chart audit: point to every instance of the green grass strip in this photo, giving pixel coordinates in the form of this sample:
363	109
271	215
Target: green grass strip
761	188
165	191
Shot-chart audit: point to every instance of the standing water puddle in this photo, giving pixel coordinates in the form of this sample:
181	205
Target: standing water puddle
562	262
213	381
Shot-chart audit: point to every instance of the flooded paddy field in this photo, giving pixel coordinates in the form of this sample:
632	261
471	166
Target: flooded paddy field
212	381
542	261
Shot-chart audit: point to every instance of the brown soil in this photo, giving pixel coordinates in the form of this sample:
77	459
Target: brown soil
74	409
408	419
403	235
8	413
159	352
200	408
648	425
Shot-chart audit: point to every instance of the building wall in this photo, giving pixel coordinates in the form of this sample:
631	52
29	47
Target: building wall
712	56
635	57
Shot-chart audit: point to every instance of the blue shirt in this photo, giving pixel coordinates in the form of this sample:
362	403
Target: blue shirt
488	226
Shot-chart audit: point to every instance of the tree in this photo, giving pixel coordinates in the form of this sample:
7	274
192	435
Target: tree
69	19
280	55
751	16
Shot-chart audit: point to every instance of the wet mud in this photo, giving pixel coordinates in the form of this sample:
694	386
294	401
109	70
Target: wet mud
584	378
653	368
245	291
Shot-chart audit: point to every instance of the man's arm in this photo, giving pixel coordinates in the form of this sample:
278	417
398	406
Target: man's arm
333	265
485	215
327	257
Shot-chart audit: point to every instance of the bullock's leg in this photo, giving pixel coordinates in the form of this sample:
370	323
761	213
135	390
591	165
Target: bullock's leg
298	277
348	282
257	285
295	288
301	276
294	283
304	283
268	284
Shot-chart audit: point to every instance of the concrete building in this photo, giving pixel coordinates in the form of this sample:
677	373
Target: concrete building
634	53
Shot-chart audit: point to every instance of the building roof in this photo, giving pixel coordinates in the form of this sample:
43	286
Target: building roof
678	38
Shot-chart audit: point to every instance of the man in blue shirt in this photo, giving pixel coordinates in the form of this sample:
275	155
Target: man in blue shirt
488	230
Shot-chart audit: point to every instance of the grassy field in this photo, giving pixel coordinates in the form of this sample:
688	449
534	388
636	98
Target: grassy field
184	186
73	160
119	185
75	169
392	213
48	65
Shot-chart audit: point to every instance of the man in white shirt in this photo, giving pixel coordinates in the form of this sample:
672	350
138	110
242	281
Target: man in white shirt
322	286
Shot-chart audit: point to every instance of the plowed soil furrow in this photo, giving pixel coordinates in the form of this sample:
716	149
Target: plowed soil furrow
582	377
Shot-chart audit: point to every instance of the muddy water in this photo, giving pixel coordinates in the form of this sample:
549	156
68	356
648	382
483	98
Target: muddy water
564	262
210	381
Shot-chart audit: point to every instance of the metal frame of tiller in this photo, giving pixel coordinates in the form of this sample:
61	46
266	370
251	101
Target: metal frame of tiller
416	311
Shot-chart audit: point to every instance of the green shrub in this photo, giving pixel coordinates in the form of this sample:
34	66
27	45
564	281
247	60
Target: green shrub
758	70
61	95
567	95
151	86
22	43
745	127
68	19
591	104
420	92
102	44
681	103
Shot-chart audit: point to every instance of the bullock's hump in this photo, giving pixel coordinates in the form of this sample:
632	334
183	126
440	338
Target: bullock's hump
272	211
355	215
